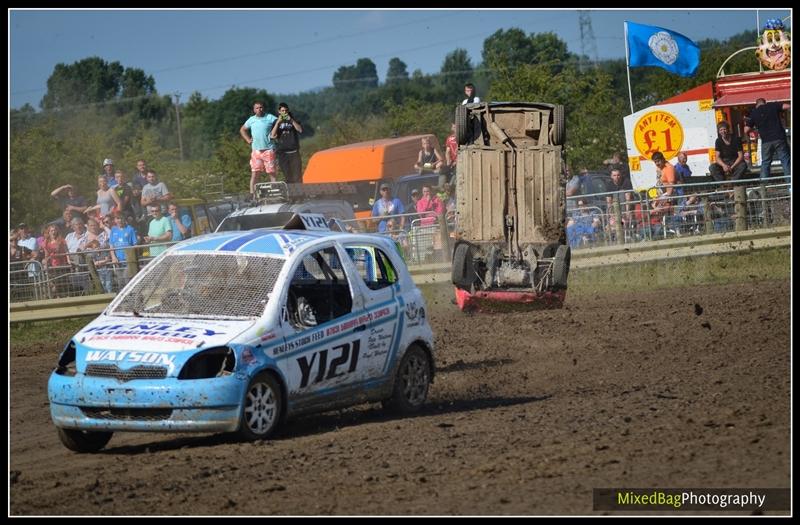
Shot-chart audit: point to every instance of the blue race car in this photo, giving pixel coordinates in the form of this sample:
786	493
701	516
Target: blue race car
235	331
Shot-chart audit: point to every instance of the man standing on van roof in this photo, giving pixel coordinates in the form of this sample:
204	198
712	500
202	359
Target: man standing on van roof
285	133
469	91
256	132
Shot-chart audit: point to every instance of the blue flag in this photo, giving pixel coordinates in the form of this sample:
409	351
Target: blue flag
656	46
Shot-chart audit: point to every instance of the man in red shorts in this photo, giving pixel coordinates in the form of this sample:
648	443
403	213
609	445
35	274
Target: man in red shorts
256	133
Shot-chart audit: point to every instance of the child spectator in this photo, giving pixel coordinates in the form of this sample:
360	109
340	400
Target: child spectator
102	263
428	158
451	150
122	236
55	257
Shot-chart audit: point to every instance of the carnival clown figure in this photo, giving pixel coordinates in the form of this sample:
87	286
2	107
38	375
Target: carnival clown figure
774	47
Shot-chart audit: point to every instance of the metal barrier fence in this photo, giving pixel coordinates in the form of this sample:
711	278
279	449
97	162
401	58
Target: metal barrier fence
692	209
425	238
89	272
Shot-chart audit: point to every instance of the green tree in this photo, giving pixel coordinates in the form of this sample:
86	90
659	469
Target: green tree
363	74
508	48
397	72
456	71
593	109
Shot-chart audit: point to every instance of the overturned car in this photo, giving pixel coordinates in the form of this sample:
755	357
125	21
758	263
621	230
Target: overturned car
510	208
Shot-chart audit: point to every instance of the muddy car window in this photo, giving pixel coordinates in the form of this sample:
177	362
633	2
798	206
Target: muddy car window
373	265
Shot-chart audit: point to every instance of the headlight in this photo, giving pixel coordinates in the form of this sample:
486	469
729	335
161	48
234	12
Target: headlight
66	362
214	362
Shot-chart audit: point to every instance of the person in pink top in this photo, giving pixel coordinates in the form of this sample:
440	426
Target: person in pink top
451	150
429	202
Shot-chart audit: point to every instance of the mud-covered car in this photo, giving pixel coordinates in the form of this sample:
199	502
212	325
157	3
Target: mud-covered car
235	331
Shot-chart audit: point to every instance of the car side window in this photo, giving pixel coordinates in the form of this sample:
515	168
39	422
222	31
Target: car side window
319	291
373	265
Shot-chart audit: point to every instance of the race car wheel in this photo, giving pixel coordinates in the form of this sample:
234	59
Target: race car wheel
463	129
557	130
412	381
261	410
83	441
463	272
561	267
550	250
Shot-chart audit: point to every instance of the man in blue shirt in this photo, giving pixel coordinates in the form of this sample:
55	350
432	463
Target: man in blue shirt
683	172
256	132
181	224
387	205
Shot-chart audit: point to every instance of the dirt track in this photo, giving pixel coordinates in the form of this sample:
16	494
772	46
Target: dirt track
528	413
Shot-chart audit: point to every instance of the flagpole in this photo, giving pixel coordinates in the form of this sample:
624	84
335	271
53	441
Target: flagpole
627	67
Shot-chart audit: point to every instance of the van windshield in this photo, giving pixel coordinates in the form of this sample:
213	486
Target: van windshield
251	222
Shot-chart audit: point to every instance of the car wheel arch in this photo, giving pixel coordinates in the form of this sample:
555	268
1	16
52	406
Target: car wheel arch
425	347
276	374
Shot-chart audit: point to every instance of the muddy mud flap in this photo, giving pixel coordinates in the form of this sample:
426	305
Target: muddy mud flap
507	300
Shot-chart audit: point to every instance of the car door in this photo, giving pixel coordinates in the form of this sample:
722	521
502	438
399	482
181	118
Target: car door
324	326
378	279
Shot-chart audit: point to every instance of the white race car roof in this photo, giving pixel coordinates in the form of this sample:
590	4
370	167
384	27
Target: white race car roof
278	243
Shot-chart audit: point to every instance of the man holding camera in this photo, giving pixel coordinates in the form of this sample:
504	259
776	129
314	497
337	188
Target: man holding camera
287	149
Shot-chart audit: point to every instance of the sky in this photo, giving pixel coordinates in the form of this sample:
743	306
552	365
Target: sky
291	51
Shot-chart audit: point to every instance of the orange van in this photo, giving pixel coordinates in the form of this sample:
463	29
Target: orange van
366	165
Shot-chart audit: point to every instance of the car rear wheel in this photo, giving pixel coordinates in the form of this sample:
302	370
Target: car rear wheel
411	383
561	267
558	128
550	250
83	441
463	272
261	410
463	129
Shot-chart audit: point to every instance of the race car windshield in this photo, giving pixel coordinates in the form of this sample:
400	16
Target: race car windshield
202	286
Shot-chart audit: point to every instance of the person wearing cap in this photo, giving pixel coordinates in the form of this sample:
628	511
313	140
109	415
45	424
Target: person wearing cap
26	239
108	172
387	205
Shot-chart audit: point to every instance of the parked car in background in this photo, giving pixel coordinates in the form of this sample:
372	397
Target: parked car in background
276	208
